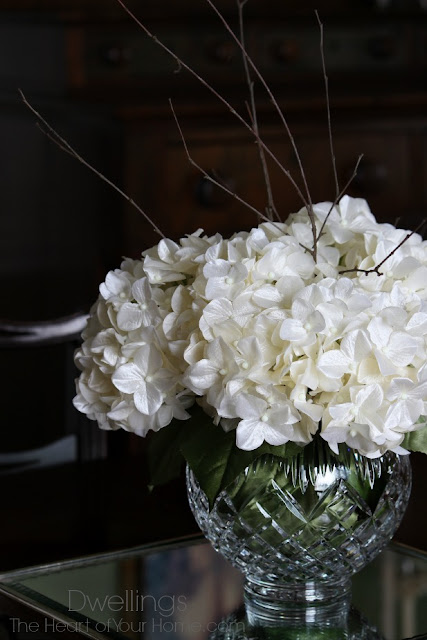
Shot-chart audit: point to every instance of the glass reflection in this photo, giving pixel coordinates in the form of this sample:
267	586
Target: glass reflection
187	591
351	626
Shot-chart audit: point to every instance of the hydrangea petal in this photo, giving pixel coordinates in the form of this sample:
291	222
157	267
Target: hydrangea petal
292	330
148	398
334	363
129	317
127	378
249	434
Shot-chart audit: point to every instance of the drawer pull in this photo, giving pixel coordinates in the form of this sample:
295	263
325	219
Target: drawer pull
286	51
209	196
382	47
115	55
222	52
371	177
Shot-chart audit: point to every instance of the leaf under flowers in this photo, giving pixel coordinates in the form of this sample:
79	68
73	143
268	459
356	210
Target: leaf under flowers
416	440
211	453
215	459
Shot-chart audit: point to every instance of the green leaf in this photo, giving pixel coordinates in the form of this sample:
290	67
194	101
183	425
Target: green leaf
284	451
416	440
209	452
165	457
215	459
164	454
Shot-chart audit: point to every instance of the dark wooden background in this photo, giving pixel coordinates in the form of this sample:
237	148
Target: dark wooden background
105	87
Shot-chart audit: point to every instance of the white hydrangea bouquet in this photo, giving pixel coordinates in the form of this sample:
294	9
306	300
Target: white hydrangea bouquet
310	329
277	349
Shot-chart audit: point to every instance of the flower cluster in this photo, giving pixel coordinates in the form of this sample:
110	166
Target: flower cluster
269	342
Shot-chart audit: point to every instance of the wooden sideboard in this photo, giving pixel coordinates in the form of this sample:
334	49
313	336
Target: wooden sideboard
391	174
102	84
377	63
97	73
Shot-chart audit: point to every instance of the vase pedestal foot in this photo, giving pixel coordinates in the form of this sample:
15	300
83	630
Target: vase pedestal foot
350	626
311	602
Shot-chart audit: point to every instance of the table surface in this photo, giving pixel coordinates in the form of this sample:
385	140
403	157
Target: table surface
184	590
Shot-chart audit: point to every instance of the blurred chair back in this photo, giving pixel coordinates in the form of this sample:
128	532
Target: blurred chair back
41	427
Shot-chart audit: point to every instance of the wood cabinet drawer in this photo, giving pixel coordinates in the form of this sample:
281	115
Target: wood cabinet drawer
384	174
285	52
183	201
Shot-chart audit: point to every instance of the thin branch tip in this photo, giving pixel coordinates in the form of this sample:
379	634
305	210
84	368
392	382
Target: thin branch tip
307	198
65	146
250	122
219	97
251	109
214	178
377	267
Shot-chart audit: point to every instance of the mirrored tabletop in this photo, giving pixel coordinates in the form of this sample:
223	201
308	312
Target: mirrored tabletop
184	590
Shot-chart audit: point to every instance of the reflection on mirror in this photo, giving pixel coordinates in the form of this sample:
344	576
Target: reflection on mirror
186	591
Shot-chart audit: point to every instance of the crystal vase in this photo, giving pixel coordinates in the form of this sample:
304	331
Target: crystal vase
298	529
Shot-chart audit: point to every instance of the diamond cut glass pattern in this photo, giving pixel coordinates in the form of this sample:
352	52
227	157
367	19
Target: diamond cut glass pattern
299	528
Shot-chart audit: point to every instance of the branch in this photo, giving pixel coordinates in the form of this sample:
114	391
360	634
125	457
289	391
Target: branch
65	146
405	239
212	179
307	200
253	114
340	195
219	97
328	107
376	269
270	95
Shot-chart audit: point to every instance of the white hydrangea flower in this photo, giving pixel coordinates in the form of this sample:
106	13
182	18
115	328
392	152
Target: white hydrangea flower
224	280
117	287
348	217
283	259
304	325
276	346
210	375
408	403
141	311
262	422
145	378
392	349
105	349
357	436
353	349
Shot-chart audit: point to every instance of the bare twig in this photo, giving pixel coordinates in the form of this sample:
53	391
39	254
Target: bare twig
376	269
340	195
225	102
270	95
328	106
212	179
271	207
53	135
307	199
405	239
284	170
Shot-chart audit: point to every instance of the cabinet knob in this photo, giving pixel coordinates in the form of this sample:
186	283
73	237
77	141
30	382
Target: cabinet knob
286	50
222	52
371	177
115	55
209	196
382	47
